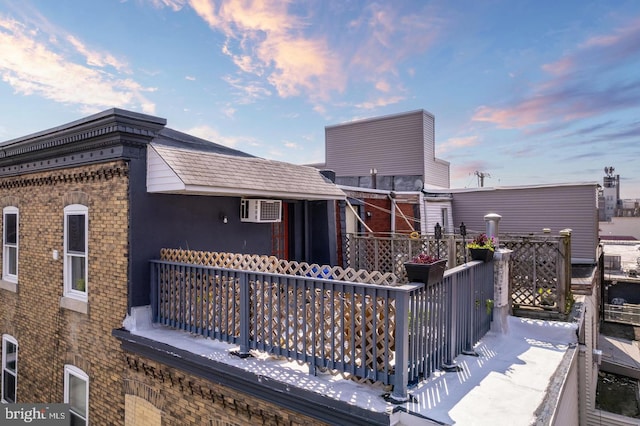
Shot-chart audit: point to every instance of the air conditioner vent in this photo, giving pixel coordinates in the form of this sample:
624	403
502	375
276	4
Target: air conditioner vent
260	211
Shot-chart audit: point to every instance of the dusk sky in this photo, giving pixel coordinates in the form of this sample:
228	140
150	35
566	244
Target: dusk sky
528	92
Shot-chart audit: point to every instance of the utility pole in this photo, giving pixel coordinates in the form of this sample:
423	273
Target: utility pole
481	176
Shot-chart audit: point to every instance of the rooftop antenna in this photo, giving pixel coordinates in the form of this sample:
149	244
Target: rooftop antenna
481	176
609	171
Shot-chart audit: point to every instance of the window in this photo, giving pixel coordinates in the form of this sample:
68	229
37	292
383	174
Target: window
9	368
10	244
445	219
76	394
76	220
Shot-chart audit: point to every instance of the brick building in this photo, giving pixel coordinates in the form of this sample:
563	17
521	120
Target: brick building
86	205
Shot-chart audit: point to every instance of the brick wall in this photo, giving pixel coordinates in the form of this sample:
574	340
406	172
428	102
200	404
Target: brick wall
50	336
188	400
380	218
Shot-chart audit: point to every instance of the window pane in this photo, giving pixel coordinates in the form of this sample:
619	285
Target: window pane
12	260
75	233
78	395
77	420
10	356
9	386
10	228
78	273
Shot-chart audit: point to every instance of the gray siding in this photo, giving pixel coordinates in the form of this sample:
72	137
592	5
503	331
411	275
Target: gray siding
436	172
400	147
529	210
434	216
393	145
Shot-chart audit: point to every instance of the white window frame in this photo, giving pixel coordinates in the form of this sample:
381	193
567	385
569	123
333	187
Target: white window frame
7	338
71	370
5	246
445	219
69	291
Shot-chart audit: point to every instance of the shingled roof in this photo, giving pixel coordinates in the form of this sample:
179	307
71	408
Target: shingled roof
185	170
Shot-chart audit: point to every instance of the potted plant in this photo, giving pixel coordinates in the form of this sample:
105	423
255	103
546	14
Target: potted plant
425	268
482	247
546	297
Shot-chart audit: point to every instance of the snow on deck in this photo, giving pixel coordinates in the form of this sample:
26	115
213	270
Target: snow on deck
503	386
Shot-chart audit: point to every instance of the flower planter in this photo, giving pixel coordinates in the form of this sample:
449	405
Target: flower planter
427	273
481	254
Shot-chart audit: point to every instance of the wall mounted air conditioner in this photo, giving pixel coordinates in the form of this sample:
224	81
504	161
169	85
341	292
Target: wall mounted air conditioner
260	211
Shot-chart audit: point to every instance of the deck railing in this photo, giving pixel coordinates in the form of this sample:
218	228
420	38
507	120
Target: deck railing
540	264
625	314
392	334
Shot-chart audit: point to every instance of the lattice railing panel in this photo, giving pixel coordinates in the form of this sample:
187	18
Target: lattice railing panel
271	264
537	264
389	253
352	328
540	265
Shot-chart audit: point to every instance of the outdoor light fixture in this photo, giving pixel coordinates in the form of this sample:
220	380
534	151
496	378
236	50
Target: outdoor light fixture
223	218
437	231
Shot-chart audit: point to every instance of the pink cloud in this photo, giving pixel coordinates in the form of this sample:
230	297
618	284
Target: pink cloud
576	88
526	113
456	143
264	39
562	66
35	62
464	170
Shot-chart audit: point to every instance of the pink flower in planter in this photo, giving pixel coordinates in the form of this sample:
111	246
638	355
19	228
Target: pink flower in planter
481	241
424	258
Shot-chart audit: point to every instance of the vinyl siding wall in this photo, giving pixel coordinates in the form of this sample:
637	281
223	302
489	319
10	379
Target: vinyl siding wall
529	210
393	145
436	172
434	215
397	145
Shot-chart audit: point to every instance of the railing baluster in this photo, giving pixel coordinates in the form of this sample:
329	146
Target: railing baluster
244	313
443	321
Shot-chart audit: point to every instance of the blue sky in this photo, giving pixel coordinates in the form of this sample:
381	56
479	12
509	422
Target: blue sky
529	92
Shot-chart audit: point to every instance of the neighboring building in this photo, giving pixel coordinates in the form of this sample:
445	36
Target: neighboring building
534	209
409	190
609	197
86	205
620	228
383	164
393	153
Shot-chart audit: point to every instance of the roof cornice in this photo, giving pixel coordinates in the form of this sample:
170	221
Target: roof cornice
108	127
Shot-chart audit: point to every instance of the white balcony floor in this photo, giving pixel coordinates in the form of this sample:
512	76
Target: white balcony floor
505	385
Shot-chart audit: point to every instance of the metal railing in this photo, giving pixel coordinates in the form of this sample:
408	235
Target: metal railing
625	314
392	334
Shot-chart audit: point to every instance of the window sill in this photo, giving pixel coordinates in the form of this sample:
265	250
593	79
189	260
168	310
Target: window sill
76	305
9	286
